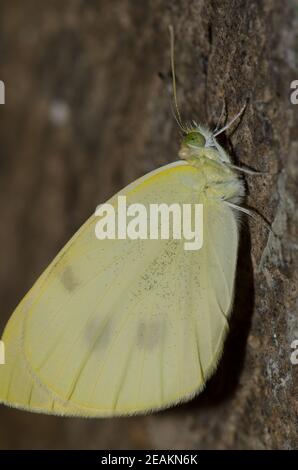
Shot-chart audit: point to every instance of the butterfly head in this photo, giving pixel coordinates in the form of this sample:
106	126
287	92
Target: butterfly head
194	139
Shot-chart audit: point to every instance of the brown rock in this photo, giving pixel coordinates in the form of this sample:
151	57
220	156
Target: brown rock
86	112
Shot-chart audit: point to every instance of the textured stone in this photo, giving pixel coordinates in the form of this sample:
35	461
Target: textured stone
87	111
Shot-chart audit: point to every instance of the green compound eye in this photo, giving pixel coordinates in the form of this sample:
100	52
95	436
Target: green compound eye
194	139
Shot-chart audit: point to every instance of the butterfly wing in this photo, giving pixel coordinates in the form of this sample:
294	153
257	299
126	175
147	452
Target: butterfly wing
119	327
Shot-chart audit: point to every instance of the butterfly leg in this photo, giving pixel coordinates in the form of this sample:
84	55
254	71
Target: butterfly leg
252	213
230	122
223	111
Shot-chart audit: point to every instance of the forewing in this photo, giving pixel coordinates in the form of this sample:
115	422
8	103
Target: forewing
124	326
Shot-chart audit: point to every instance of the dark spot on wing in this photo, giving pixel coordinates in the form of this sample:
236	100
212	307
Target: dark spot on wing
68	279
100	332
149	334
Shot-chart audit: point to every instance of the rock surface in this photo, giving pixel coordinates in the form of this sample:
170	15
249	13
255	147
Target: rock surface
87	111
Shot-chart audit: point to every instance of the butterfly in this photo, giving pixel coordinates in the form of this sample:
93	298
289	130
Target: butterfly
121	327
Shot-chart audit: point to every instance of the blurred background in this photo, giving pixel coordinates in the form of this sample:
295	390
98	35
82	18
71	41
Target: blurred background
87	111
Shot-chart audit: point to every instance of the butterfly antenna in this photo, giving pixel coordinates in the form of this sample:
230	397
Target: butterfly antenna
177	120
176	111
